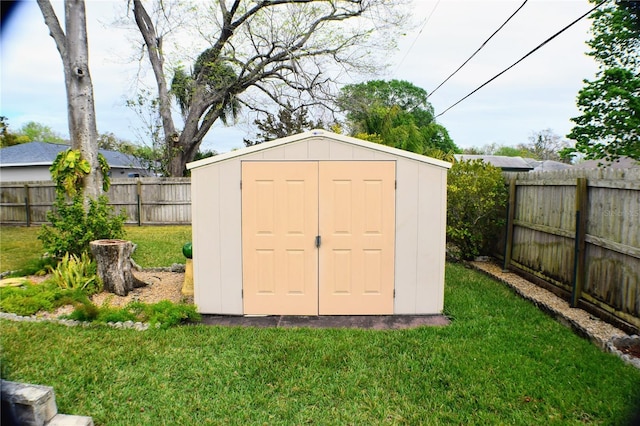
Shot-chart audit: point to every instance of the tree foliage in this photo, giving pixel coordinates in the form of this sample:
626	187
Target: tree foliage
8	138
476	197
289	121
257	52
395	113
608	127
38	132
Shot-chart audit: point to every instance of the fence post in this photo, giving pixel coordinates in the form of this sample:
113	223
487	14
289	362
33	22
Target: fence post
511	211
27	204
139	200
580	244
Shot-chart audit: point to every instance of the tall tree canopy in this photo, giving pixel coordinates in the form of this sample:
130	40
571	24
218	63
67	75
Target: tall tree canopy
394	113
609	126
270	50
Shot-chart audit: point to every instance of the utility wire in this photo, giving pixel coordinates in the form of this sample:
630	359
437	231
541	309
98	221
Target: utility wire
524	57
426	21
479	48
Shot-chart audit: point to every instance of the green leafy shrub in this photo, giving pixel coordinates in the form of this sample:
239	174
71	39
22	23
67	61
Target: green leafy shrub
77	273
72	229
476	198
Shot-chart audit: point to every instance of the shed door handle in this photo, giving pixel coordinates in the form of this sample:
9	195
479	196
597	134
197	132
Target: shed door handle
318	241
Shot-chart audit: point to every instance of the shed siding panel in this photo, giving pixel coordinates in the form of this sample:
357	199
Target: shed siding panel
298	151
340	151
205	188
406	237
430	246
318	150
230	238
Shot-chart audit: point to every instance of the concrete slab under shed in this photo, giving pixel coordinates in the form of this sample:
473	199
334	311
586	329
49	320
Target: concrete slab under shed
368	322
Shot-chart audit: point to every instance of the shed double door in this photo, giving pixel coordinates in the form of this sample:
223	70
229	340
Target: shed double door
318	237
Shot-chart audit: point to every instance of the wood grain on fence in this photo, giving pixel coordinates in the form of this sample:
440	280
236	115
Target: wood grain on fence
145	201
580	231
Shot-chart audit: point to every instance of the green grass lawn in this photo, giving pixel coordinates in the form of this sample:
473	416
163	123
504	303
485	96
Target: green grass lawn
501	361
157	245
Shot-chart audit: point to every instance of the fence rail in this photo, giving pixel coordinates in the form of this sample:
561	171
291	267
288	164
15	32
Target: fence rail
579	230
146	201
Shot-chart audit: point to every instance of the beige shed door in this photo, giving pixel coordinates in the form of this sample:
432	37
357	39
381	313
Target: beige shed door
357	227
350	206
279	227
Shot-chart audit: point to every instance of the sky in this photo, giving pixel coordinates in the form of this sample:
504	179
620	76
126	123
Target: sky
537	94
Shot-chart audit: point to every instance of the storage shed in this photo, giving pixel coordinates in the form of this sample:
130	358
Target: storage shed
319	224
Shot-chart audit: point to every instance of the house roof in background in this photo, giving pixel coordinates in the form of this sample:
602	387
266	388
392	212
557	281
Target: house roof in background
547	165
621	163
511	164
44	153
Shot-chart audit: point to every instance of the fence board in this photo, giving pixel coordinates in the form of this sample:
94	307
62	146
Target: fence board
543	239
147	201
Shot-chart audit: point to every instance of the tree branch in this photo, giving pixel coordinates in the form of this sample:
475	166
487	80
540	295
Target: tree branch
55	30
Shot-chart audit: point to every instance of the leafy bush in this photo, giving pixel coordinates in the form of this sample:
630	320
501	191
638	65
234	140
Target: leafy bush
475	206
72	229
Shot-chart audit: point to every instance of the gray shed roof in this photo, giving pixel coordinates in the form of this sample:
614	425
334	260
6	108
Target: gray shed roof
44	153
512	164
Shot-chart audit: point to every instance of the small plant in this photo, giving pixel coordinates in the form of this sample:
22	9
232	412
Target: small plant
77	273
84	311
166	313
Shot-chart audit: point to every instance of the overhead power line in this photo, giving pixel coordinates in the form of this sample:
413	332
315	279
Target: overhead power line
525	56
424	24
479	48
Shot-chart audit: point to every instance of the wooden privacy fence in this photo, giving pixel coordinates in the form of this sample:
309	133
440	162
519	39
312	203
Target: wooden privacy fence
579	230
146	201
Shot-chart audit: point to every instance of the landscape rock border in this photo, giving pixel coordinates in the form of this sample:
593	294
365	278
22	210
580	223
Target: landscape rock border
138	326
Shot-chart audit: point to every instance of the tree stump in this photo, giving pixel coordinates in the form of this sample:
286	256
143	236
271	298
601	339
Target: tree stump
113	259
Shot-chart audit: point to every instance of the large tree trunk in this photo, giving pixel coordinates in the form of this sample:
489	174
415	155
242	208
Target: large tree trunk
74	51
113	258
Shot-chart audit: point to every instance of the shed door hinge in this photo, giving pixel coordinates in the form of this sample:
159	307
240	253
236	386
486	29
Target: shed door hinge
318	241
242	293
240	184
395	185
394	293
